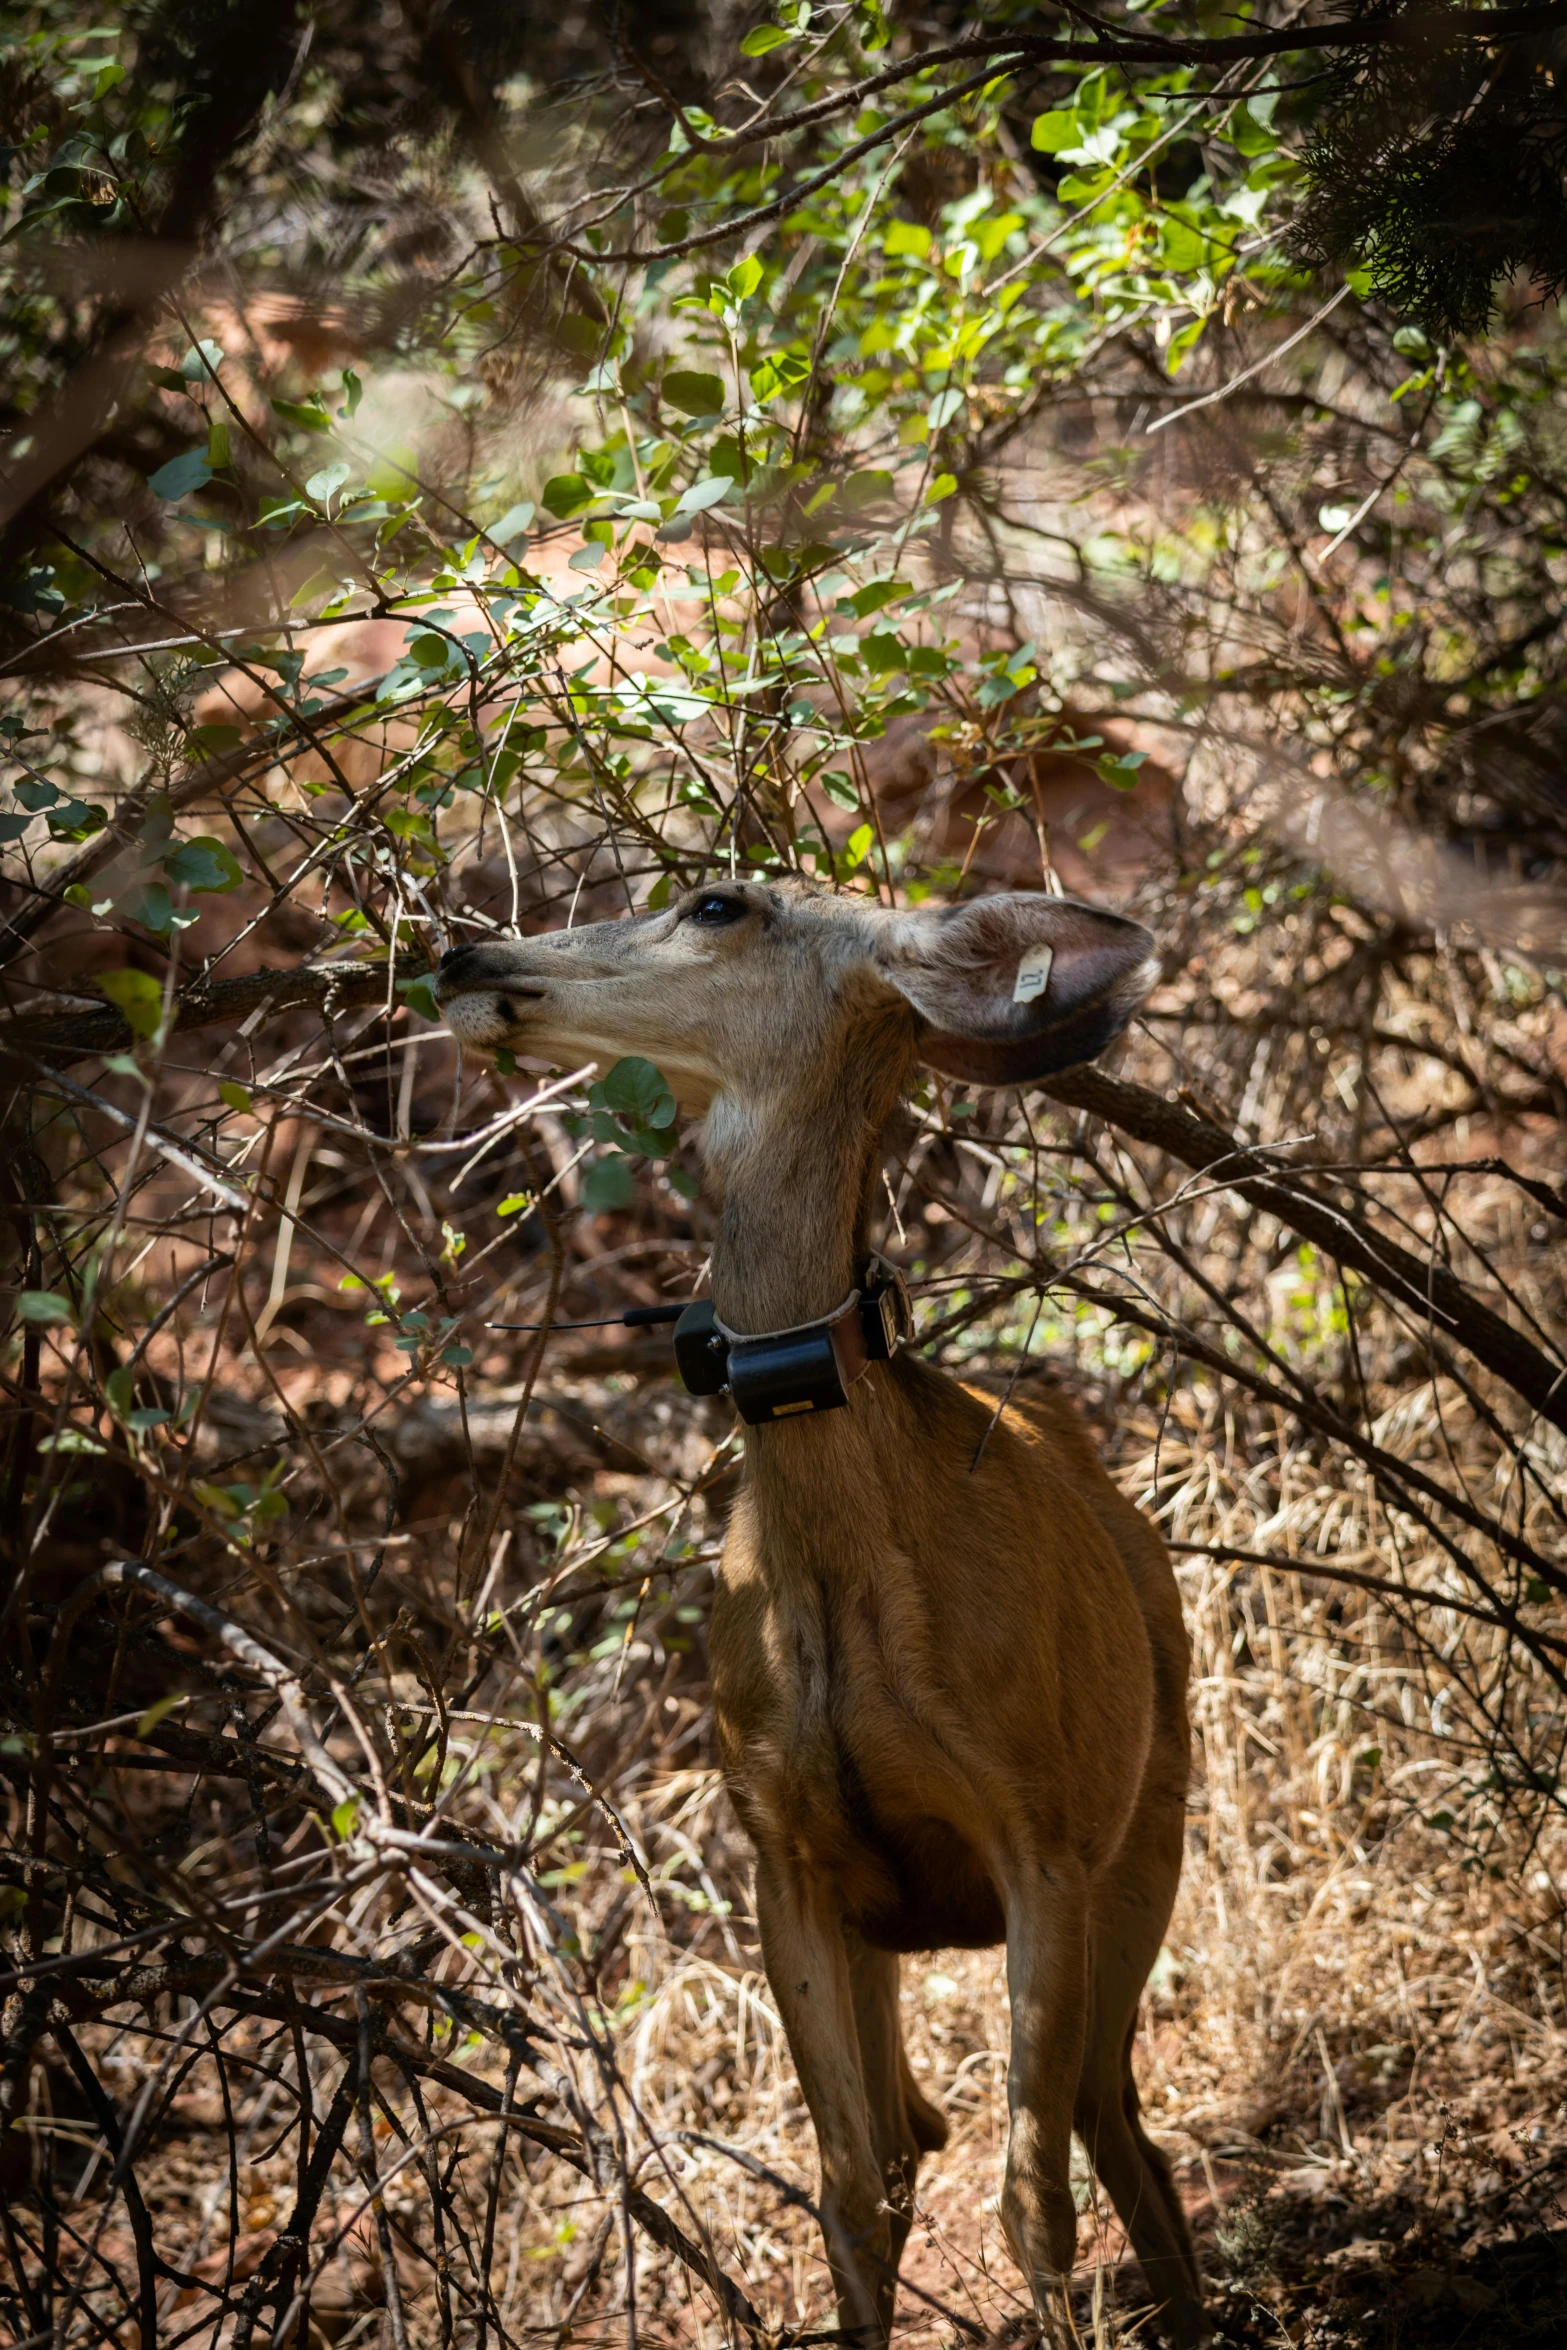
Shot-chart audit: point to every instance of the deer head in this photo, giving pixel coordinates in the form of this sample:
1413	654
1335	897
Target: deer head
793	1019
741	988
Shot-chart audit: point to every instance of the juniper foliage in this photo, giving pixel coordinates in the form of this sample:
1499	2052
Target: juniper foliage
1440	164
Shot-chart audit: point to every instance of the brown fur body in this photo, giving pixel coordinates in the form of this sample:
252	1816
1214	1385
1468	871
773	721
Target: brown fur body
851	1635
948	1661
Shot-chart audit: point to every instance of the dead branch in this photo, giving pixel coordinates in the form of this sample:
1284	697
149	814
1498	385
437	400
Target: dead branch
329	988
1426	1286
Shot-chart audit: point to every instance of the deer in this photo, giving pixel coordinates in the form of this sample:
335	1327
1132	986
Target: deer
948	1660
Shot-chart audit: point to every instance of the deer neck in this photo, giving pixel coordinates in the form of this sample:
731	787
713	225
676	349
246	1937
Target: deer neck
795	1182
794	1178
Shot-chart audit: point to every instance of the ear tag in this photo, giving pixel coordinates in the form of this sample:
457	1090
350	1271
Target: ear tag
1033	975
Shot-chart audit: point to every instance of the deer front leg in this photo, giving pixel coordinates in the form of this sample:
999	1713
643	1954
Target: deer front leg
1047	1983
806	1958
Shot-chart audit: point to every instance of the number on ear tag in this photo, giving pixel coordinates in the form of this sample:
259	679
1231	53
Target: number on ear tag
1033	975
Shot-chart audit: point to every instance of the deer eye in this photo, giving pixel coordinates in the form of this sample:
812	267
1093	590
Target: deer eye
715	910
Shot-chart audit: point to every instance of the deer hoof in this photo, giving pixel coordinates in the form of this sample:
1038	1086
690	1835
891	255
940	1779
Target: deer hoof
860	2255
1040	2220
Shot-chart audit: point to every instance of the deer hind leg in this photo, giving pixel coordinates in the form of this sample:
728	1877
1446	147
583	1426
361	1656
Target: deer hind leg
1131	1910
904	2125
806	1954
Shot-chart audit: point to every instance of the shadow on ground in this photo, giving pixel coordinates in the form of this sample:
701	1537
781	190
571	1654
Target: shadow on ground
1377	2276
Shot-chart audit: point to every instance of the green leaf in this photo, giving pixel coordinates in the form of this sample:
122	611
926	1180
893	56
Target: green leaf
212	739
907	238
1182	345
331	477
345	1818
579	334
236	1097
318	584
180	476
994	233
152	906
310	417
636	1089
1051	132
766	37
566	494
43	1305
929	661
138	996
417	995
119	1390
203	863
74	819
607	1184
514	1203
865	489
512	523
944	486
1182	247
219	452
157	1711
867	600
703	494
780	371
744	278
693	394
201	363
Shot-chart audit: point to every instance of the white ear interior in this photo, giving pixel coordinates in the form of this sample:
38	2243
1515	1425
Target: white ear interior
1033	975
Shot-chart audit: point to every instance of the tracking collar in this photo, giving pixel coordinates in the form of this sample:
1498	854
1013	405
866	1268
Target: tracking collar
809	1367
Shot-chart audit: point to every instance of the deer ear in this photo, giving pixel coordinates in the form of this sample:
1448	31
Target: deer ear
1017	986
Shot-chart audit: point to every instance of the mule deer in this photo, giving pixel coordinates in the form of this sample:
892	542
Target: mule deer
948	1662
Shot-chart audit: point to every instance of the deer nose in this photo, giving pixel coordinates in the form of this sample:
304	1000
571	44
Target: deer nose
453	960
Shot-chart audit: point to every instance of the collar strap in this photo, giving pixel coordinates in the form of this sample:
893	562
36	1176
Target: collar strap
808	1367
